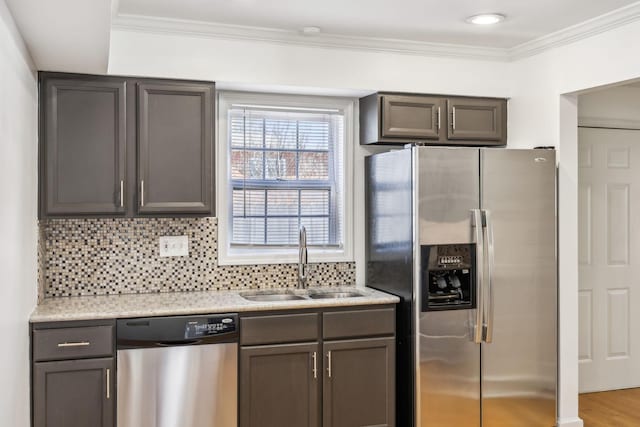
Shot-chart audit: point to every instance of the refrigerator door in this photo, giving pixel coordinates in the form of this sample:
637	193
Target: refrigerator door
448	189
448	359
519	361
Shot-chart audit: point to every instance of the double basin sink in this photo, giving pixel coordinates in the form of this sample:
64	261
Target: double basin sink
291	295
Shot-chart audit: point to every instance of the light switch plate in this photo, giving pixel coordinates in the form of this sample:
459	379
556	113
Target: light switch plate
174	246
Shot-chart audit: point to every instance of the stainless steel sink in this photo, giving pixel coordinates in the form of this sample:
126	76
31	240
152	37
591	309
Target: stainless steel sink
336	294
271	296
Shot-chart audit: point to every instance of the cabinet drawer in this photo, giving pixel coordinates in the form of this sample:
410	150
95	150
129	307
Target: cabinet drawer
72	343
279	329
359	323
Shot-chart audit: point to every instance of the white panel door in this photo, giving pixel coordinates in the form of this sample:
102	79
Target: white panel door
609	257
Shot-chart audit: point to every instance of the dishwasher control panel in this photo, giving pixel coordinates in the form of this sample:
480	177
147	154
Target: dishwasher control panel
176	330
205	327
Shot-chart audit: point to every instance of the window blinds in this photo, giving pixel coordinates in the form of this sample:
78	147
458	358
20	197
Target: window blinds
286	170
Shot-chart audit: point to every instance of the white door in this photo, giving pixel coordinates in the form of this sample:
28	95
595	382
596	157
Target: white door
609	257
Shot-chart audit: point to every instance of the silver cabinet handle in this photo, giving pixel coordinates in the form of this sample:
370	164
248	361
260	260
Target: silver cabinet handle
74	344
121	193
488	319
108	383
329	363
315	365
477	224
142	193
453	118
438	118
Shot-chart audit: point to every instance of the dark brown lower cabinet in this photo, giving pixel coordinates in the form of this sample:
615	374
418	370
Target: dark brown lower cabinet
334	368
74	393
359	383
279	385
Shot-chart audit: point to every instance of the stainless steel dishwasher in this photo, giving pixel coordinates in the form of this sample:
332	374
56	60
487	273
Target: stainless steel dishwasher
178	371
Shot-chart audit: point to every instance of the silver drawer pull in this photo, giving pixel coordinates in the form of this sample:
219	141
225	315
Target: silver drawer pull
74	344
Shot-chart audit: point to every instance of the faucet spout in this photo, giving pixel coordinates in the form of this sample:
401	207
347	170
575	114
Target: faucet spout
303	267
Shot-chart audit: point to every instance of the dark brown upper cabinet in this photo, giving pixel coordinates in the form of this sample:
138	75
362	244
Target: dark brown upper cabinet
121	146
175	151
411	116
401	118
83	141
476	119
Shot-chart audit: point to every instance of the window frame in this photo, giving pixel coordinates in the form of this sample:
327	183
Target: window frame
249	255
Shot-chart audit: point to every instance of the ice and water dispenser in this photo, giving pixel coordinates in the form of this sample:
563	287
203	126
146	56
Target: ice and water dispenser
448	277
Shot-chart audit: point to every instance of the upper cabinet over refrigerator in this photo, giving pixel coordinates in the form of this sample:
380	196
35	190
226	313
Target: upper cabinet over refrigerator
401	118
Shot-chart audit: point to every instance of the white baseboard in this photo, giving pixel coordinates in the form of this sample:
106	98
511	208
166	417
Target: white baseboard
570	422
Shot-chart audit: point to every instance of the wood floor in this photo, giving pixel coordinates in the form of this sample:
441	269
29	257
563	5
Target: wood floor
619	408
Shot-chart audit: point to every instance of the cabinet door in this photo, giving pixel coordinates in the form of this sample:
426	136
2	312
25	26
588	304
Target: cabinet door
477	119
415	117
359	383
175	151
279	386
84	137
74	393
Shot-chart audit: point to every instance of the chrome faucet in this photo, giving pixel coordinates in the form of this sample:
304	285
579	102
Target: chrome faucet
303	267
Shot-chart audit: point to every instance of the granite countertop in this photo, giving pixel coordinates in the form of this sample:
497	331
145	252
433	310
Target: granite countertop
186	303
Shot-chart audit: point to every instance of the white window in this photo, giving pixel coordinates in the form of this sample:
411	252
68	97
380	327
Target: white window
284	162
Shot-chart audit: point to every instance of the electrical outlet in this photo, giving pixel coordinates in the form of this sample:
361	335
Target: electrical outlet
174	246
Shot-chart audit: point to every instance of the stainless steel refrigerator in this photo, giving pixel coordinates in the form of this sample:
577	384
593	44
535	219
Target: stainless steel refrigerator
466	237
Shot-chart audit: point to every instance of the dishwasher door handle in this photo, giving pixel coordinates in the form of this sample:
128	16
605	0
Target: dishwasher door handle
177	343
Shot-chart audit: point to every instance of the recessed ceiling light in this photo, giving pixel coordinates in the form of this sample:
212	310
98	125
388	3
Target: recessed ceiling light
310	31
486	19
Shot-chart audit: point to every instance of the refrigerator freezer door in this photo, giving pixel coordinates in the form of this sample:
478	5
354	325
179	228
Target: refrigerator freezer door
519	365
448	368
448	185
449	372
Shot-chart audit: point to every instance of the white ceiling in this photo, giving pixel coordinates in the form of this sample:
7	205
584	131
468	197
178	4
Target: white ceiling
436	21
74	35
65	35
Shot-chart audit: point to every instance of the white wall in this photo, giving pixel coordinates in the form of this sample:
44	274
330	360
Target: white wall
18	231
604	59
540	115
271	64
265	66
614	106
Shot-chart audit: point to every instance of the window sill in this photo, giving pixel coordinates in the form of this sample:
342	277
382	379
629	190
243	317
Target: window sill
279	256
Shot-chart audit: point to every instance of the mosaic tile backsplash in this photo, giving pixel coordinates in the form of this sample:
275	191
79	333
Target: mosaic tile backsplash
101	256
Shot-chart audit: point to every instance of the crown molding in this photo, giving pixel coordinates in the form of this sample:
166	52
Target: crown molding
583	30
159	25
600	24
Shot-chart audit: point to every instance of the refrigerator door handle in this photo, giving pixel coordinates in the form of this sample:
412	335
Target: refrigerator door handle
478	227
488	306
